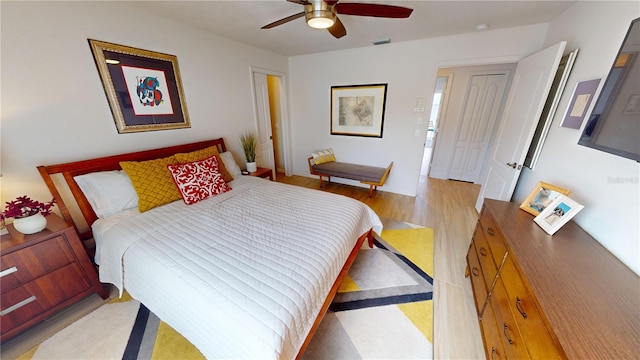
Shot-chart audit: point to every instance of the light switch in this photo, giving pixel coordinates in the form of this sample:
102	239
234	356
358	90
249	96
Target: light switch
419	105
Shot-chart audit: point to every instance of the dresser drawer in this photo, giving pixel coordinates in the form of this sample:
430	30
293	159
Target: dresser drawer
540	342
512	341
33	298
491	336
494	237
41	258
489	266
477	280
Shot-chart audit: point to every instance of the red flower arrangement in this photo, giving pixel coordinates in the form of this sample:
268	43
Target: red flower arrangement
24	206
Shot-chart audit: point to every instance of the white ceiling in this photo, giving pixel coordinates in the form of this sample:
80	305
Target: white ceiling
241	20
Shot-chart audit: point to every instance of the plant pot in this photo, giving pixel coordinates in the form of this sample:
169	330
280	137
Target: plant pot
252	167
30	224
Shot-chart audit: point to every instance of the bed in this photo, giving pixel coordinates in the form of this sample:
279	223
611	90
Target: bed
248	273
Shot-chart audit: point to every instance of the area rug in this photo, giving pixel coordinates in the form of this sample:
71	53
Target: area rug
383	310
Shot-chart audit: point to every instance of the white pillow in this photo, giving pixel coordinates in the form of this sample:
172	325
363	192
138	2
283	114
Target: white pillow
108	192
230	163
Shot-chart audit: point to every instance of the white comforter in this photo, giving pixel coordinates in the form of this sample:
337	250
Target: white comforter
241	275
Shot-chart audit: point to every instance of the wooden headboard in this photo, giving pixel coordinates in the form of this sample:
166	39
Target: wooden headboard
69	170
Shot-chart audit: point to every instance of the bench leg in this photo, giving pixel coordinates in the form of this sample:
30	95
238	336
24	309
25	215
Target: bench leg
370	190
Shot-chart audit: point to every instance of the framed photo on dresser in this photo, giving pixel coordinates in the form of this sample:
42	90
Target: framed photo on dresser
558	213
541	196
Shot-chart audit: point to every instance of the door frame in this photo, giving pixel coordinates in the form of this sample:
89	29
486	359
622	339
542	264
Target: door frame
442	114
284	111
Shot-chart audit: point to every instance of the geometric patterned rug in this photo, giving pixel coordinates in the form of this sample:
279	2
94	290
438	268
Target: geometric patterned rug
383	310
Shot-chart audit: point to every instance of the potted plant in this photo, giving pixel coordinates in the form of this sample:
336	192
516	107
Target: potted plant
28	215
249	145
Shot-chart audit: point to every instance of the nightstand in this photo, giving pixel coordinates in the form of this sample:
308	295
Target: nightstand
263	173
41	274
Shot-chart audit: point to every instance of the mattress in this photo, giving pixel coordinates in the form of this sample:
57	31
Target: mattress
240	275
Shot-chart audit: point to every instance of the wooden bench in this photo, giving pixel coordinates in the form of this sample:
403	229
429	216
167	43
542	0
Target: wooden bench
370	175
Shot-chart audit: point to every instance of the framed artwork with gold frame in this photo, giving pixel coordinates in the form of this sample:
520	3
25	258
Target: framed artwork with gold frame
541	197
143	87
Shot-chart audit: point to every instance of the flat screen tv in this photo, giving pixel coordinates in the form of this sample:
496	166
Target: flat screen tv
614	124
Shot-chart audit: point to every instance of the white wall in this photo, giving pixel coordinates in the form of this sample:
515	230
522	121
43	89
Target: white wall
410	69
54	108
606	184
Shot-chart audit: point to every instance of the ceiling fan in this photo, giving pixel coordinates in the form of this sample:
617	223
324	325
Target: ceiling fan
322	14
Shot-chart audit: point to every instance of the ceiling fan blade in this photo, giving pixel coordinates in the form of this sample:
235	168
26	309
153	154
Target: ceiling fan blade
283	21
301	2
375	10
338	30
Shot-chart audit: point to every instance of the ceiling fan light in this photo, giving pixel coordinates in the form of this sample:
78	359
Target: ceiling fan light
321	22
320	16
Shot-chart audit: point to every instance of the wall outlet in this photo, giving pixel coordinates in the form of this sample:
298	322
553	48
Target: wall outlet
417	133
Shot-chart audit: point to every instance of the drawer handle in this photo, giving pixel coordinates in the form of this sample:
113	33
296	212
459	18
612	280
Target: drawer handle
475	271
483	251
490	231
505	330
17	306
8	271
494	352
518	301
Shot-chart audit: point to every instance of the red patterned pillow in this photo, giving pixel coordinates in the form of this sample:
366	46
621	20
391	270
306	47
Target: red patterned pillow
198	180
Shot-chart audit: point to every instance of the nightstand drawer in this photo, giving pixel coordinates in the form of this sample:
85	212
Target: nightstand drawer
42	258
44	293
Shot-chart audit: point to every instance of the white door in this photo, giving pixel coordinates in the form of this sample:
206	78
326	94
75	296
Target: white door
481	112
264	156
531	84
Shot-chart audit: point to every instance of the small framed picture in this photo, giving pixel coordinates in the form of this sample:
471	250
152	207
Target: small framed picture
541	196
558	213
582	96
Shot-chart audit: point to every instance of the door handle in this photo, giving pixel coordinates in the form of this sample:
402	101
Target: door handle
514	165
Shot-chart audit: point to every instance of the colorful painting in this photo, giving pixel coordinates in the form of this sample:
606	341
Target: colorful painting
143	87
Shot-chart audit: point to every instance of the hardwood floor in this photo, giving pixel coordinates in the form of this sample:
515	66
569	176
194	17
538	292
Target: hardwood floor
447	207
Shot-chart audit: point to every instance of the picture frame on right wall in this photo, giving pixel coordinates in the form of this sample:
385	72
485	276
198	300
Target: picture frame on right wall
558	213
581	99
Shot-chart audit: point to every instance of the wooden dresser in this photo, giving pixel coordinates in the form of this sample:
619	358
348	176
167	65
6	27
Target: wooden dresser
545	297
41	274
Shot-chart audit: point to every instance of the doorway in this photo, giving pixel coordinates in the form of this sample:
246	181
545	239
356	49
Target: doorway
436	113
472	105
269	88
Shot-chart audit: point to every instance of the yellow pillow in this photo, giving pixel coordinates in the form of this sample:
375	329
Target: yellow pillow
205	153
153	182
323	156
